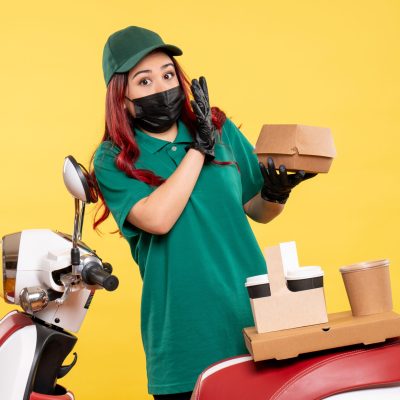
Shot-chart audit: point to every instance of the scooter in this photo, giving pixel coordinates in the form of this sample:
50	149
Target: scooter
53	277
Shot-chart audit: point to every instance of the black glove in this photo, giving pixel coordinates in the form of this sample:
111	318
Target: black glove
205	130
276	186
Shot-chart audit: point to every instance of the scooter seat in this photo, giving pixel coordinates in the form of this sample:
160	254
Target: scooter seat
307	377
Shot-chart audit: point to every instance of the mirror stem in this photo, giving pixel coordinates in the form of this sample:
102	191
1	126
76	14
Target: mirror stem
76	224
75	254
82	214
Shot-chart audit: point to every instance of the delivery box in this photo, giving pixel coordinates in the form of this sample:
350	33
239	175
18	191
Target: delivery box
298	147
342	329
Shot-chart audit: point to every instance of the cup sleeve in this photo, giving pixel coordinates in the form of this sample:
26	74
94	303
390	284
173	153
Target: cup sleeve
250	173
120	191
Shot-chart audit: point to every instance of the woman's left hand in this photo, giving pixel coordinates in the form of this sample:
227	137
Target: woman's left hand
277	187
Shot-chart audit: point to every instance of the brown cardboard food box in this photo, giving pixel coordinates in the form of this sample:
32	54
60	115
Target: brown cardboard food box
289	327
342	329
298	147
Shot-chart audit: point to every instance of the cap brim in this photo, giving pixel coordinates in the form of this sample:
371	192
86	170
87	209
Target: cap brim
131	62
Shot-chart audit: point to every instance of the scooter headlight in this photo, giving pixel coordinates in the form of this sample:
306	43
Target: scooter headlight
9	261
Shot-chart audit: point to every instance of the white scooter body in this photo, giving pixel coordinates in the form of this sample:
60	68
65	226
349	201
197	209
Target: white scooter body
53	277
43	255
17	353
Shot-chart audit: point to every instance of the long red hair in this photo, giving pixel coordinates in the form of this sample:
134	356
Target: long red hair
118	129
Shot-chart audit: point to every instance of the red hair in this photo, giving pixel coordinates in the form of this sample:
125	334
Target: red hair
118	129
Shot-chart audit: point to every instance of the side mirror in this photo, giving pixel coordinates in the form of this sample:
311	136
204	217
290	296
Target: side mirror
78	182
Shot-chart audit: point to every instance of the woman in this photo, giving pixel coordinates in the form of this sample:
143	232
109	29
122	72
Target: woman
179	178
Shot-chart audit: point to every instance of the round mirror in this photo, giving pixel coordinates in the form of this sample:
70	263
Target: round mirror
77	181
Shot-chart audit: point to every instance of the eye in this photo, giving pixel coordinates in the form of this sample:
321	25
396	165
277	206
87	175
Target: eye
169	75
144	82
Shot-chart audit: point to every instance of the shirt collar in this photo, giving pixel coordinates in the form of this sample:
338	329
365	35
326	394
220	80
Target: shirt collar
153	144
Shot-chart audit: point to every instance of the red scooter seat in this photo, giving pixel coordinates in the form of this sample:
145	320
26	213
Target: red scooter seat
309	376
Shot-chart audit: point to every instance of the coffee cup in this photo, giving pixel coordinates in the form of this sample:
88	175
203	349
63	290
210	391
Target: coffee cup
258	286
304	278
368	287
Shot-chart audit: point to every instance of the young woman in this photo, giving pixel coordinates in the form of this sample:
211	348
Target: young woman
179	179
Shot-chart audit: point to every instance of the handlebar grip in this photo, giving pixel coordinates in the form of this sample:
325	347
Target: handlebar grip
108	267
94	274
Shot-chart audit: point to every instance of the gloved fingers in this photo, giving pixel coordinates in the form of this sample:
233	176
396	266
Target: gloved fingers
203	84
296	178
283	176
264	173
199	96
195	87
197	91
197	110
272	172
309	175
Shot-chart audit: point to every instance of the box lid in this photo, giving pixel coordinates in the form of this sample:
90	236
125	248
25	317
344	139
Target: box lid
294	138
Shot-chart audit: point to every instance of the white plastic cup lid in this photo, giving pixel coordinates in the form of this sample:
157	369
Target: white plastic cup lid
304	273
311	268
257	280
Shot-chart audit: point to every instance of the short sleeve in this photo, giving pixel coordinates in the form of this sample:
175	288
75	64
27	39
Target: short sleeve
243	150
120	191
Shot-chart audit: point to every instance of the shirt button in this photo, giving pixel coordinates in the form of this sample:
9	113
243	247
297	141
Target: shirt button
173	148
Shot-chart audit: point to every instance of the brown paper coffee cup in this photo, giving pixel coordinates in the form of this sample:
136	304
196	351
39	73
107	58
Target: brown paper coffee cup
368	287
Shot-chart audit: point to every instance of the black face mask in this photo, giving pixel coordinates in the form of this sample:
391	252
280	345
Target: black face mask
157	112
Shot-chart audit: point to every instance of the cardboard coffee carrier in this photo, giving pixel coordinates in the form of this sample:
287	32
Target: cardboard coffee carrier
298	147
285	308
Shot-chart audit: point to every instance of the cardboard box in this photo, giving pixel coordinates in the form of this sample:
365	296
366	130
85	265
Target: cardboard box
285	309
342	330
298	147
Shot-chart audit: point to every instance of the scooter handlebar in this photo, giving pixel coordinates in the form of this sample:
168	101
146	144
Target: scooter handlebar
94	274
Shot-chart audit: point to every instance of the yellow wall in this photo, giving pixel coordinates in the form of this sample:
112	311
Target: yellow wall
322	63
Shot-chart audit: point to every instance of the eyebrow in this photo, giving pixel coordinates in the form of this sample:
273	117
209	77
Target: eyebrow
149	70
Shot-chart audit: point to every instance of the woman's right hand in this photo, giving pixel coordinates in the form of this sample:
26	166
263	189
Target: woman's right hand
205	130
277	187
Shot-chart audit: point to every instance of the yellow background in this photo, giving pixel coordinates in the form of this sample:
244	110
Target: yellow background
322	63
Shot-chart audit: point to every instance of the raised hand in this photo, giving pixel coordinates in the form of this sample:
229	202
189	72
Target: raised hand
204	140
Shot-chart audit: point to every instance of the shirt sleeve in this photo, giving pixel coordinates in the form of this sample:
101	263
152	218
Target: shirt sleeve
120	191
250	173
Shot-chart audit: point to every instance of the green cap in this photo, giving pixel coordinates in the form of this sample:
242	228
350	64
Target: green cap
126	47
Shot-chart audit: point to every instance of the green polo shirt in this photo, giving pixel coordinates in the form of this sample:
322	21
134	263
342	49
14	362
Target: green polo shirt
194	303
